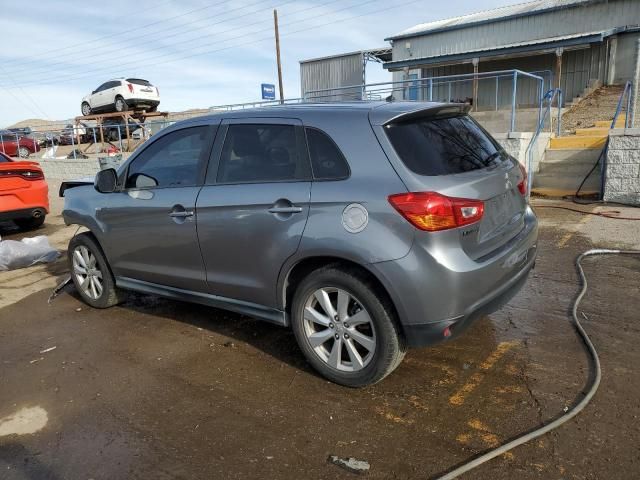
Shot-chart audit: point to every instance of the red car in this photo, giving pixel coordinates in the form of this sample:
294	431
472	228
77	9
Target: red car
24	193
17	145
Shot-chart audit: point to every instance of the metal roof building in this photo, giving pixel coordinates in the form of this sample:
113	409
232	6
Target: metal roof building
337	71
576	42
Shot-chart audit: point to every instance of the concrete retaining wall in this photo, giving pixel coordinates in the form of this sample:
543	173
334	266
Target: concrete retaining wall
516	145
69	168
622	176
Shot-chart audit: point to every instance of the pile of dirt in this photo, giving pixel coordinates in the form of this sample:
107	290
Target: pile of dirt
600	105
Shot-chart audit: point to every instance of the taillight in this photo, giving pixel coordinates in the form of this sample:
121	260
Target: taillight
522	184
432	211
26	174
130	87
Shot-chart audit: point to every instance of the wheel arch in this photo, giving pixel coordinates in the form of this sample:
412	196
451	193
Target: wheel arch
305	266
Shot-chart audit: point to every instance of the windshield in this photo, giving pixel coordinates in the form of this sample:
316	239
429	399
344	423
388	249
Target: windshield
444	145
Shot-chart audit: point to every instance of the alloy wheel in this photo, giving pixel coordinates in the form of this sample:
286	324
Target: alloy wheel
87	272
339	329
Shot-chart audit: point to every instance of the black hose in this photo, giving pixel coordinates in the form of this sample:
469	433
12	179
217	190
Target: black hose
572	412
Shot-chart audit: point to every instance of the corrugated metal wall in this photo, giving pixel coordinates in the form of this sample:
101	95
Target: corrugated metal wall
579	67
333	72
582	19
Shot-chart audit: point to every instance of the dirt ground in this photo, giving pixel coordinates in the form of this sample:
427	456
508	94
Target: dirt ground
161	389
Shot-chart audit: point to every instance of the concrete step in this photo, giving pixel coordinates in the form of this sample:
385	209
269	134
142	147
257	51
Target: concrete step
607	123
567	168
573	155
593	132
573	142
565	182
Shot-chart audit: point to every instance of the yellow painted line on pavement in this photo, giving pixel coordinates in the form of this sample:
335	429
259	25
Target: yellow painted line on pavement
567	236
460	396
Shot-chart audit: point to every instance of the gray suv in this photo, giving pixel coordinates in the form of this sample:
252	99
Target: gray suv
367	227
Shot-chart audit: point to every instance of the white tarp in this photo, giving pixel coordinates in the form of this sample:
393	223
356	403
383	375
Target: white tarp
29	251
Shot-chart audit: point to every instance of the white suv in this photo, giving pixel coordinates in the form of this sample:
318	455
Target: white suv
119	94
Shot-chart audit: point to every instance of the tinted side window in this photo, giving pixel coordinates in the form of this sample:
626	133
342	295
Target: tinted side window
113	84
261	153
102	87
171	161
327	161
444	146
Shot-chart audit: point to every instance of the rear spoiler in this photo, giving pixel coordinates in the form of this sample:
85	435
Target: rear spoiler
387	114
74	183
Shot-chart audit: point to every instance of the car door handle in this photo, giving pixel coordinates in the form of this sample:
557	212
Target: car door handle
290	209
183	214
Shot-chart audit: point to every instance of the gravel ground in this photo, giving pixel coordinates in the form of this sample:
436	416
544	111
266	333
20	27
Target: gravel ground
600	105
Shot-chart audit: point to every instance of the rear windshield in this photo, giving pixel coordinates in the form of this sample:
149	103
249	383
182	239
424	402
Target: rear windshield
444	145
139	81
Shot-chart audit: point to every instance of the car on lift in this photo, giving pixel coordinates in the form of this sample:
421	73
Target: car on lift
120	94
24	193
75	134
367	227
17	145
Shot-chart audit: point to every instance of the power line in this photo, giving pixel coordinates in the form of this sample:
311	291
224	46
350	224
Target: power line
64	78
111	35
47	67
29	97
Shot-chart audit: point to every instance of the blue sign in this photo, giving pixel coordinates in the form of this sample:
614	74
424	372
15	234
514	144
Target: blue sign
268	91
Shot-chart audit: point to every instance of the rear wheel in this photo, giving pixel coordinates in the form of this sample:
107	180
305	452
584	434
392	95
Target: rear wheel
85	108
29	223
120	105
23	152
91	274
345	329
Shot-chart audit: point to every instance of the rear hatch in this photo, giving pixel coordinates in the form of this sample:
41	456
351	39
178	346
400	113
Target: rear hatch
143	89
444	150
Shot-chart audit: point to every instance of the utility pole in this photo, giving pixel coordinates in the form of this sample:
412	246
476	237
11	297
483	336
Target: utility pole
275	24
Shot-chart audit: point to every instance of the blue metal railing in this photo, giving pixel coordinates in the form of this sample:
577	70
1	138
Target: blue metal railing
626	92
549	97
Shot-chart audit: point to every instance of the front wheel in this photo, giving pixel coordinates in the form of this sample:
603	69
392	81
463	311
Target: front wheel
85	108
120	105
345	329
91	274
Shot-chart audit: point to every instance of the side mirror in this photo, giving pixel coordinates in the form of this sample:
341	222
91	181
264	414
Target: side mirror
106	181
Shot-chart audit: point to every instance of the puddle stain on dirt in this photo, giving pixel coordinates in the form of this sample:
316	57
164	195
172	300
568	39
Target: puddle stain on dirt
25	421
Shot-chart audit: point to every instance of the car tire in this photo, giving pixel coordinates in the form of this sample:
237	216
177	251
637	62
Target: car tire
23	152
153	109
353	355
30	223
91	273
85	108
120	105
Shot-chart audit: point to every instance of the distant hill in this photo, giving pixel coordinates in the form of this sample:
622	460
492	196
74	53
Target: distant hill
39	125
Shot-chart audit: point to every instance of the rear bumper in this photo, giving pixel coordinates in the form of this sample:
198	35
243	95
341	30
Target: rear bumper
419	335
25	213
142	102
438	287
25	202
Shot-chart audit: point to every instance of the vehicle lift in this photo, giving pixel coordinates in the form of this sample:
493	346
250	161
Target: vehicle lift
124	117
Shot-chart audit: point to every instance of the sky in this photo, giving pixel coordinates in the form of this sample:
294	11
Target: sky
200	53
